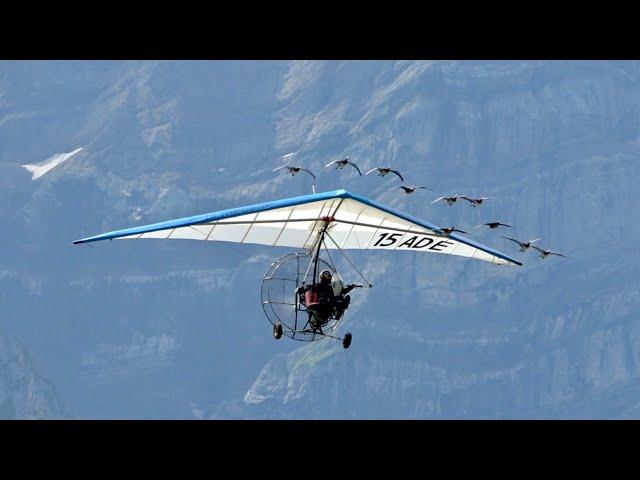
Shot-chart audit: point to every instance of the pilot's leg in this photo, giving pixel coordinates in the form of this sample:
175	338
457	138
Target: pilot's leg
347	300
326	312
342	305
314	318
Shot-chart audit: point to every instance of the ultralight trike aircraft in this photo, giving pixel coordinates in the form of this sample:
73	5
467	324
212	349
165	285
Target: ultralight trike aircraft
335	220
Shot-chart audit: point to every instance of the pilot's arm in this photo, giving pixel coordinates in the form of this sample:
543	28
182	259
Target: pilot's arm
347	289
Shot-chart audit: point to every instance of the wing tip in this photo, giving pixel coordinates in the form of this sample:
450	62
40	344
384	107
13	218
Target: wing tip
89	240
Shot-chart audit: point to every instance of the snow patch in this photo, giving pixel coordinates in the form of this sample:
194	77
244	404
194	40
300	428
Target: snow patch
41	168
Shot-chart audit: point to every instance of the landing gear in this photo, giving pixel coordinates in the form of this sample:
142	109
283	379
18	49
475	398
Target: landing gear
277	331
346	341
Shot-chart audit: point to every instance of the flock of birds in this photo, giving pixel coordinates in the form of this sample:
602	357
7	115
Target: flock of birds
409	189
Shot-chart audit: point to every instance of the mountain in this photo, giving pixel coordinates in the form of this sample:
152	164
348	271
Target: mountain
24	393
151	329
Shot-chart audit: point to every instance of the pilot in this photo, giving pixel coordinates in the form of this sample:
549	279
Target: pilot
320	300
340	297
331	297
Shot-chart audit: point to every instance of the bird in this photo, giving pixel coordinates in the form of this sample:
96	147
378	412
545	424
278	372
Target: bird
449	200
494	225
448	230
410	190
475	201
524	246
340	164
545	253
294	170
382	171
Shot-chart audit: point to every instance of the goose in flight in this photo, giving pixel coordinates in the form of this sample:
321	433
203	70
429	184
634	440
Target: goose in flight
449	200
494	225
475	201
545	253
448	230
524	246
382	171
410	190
340	164
294	170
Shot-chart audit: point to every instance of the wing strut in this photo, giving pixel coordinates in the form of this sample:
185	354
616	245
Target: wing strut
314	256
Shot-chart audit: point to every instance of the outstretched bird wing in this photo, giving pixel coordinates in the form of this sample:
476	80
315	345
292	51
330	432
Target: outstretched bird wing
398	174
309	172
354	166
280	168
556	253
372	170
539	249
438	199
514	240
330	163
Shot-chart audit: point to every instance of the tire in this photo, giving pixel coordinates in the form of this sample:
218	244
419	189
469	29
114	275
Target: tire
346	341
277	331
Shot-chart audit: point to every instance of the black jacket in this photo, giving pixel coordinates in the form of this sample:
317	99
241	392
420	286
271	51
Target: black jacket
325	292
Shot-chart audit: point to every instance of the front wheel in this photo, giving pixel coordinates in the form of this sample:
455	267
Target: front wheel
346	341
277	331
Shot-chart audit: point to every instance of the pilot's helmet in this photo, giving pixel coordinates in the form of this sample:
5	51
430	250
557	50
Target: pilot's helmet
325	276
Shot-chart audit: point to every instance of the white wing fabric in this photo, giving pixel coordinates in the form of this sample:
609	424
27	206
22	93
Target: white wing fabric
354	222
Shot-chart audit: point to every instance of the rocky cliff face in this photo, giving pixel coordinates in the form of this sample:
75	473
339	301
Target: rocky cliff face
557	145
24	393
174	329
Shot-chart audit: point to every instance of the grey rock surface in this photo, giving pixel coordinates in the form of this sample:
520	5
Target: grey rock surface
24	393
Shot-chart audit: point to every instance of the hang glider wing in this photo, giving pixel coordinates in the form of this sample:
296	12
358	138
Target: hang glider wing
355	222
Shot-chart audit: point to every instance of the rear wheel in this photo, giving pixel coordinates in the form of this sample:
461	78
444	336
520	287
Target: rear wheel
346	341
277	331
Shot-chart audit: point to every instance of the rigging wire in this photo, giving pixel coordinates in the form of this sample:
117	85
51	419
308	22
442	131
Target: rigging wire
350	262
